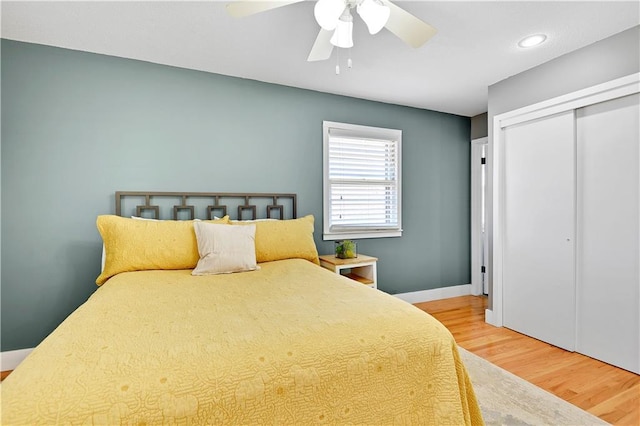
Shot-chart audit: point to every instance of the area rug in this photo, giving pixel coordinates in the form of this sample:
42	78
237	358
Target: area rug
506	399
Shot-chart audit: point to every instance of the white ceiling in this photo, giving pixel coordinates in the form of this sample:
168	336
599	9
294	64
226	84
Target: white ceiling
474	48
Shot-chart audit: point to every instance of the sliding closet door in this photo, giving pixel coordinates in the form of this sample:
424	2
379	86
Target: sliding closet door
539	227
608	257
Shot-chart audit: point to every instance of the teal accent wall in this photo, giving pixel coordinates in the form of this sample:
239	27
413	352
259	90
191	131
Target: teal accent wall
76	127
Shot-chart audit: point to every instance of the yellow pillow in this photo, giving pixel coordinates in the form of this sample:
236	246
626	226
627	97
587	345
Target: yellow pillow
284	239
138	245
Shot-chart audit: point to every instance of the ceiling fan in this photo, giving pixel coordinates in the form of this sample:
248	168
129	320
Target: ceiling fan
336	21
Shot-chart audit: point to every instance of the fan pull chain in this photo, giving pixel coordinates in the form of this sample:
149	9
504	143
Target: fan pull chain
349	61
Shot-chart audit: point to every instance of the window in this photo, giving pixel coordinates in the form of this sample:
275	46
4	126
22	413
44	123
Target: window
362	191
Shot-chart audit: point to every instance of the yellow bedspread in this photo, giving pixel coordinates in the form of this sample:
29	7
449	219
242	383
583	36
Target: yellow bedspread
291	343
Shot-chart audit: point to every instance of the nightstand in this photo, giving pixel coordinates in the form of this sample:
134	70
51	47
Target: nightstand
362	268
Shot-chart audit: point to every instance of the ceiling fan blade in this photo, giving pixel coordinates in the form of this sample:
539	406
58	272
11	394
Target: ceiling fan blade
240	8
322	47
407	27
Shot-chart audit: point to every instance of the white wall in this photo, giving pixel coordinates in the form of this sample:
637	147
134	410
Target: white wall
608	59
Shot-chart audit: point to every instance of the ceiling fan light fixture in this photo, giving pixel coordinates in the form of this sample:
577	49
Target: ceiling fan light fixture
374	14
343	35
327	13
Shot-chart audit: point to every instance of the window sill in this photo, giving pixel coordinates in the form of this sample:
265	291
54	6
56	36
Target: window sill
360	235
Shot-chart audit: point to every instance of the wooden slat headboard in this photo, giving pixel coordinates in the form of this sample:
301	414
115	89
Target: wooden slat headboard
236	205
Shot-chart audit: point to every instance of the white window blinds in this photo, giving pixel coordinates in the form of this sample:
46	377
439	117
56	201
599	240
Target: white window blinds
362	182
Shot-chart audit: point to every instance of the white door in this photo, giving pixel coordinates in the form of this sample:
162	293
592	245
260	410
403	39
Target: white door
484	220
608	250
479	234
539	229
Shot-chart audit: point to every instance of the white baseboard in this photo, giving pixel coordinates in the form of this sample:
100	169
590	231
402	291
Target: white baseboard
435	294
490	319
11	359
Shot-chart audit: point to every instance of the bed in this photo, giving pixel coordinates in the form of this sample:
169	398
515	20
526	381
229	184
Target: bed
282	342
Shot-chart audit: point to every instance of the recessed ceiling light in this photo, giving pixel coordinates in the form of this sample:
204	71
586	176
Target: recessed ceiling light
532	40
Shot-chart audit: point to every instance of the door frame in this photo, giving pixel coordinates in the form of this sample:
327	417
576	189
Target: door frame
602	92
476	217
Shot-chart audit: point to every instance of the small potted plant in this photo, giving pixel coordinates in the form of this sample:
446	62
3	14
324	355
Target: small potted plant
346	249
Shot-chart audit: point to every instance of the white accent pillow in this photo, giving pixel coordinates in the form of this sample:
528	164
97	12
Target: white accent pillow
251	220
158	220
224	249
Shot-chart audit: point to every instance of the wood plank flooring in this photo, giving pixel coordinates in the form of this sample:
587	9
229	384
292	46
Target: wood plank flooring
608	392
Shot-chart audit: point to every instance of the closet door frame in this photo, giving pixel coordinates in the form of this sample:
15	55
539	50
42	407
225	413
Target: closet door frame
602	92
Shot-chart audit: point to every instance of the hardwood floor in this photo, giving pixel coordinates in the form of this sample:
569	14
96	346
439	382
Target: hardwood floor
608	392
4	374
